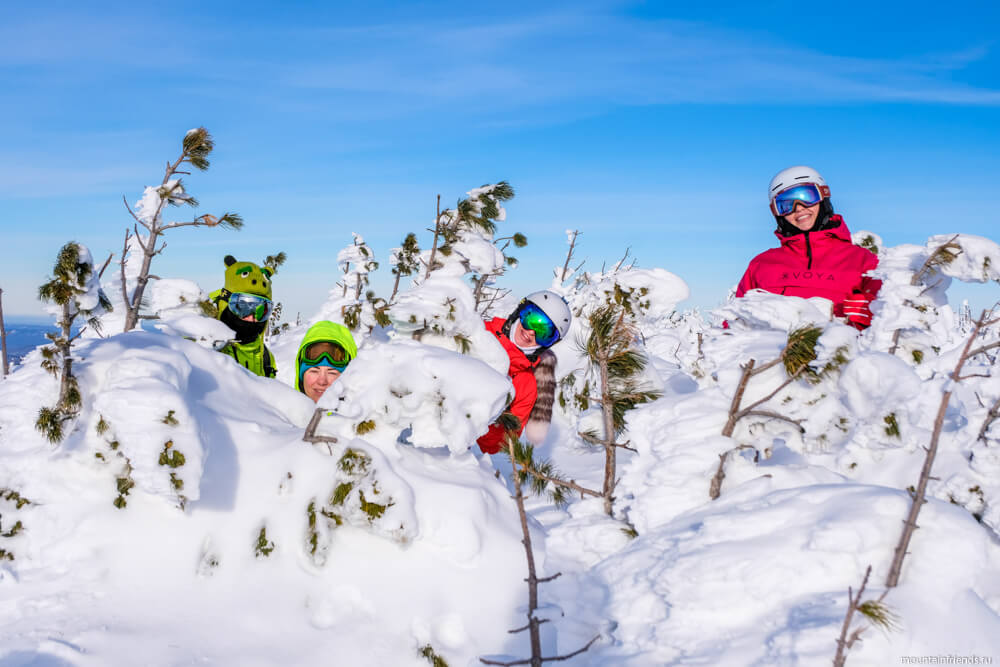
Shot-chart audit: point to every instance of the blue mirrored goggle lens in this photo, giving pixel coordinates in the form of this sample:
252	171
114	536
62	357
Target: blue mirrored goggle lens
533	318
246	305
807	193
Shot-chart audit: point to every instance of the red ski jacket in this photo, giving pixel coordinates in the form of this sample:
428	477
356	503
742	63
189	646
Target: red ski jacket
522	375
822	263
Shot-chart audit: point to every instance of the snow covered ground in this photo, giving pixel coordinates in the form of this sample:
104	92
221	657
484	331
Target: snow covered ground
184	521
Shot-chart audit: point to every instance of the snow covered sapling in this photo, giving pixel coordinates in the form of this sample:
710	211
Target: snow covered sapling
356	261
76	291
943	255
877	613
195	149
613	351
405	261
799	353
464	235
985	321
272	262
520	456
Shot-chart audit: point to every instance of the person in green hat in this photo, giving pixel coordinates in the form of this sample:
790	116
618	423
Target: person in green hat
323	355
244	305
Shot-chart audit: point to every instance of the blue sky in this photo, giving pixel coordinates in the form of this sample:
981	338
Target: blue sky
655	126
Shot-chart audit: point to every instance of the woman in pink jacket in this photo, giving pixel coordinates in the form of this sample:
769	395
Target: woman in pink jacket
816	256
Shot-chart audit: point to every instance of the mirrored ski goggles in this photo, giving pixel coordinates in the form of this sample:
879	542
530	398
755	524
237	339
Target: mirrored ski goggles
808	194
534	319
333	354
250	305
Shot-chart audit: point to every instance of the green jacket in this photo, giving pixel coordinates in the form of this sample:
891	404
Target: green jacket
255	357
325	331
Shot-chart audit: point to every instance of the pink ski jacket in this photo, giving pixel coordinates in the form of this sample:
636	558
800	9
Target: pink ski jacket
822	263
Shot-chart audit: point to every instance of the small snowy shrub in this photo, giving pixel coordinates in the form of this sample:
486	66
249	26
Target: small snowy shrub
74	290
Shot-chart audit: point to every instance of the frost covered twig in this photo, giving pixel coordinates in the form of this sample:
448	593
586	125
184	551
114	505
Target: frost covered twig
919	496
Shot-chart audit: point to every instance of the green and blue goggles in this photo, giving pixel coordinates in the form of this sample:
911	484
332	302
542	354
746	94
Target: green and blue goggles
326	353
244	305
534	319
323	353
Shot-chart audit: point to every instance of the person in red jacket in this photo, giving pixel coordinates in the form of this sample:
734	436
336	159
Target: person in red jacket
816	256
540	321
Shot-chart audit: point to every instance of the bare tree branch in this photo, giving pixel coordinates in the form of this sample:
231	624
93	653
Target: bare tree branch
100	274
919	497
569	256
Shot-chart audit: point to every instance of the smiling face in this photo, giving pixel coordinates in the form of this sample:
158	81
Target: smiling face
803	217
524	337
317	380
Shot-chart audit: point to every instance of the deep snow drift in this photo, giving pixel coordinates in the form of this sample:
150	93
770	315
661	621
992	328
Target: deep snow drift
184	521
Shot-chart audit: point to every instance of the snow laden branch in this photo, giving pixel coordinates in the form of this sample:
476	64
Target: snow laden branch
196	146
799	353
524	469
920	494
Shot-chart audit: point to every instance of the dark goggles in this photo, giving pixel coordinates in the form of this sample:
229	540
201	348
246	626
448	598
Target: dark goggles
250	305
807	194
534	319
335	355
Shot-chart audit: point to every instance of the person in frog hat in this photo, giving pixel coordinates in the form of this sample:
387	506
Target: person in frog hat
244	305
323	355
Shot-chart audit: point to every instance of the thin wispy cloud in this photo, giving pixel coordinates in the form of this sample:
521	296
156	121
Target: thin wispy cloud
572	58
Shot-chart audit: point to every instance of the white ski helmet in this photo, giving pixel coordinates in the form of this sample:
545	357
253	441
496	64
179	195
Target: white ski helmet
555	307
786	178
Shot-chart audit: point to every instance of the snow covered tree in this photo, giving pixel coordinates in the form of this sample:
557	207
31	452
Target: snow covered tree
969	351
617	360
274	326
405	261
356	261
464	236
196	146
74	290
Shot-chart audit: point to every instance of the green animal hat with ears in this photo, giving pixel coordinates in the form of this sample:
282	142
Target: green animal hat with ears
247	278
